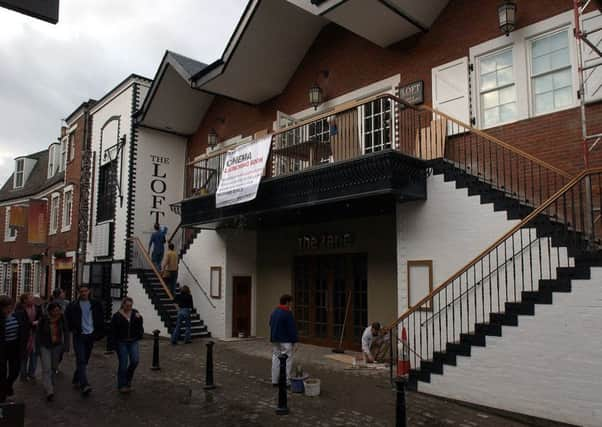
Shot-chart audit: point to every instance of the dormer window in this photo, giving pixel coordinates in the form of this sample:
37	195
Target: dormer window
63	157
19	173
52	153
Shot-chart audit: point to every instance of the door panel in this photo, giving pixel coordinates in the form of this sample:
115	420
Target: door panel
450	90
241	309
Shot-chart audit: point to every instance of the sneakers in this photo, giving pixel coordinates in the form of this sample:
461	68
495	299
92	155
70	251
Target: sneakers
86	390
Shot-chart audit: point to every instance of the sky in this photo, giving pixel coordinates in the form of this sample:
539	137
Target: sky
47	71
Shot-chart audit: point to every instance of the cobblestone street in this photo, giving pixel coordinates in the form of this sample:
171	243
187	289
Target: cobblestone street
174	396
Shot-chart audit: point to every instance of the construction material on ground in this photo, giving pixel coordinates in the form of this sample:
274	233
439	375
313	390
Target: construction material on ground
340	348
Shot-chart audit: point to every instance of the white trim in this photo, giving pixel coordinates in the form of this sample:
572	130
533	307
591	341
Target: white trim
22	160
72	128
53	230
520	41
65	227
110	96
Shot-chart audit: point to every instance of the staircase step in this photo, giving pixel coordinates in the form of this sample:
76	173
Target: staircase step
555	285
582	272
478	340
445	357
490	329
524	308
537	297
505	319
432	366
420	375
460	349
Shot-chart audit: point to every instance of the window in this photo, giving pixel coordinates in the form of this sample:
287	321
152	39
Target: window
51	160
106	191
19	168
71	146
54	213
10	233
63	158
67	206
27	277
497	88
551	79
377	125
4	277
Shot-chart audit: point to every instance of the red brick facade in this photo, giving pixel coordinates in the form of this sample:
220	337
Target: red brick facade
354	62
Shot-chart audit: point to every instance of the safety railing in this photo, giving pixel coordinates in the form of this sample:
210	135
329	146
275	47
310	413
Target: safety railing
561	229
386	122
140	260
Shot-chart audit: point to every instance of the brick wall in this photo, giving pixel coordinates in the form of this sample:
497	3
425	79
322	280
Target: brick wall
353	62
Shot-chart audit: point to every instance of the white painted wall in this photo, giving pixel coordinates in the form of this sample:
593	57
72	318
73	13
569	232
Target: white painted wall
167	178
208	250
143	304
549	366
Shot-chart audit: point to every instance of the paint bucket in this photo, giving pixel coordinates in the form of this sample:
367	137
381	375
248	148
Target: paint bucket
297	385
312	387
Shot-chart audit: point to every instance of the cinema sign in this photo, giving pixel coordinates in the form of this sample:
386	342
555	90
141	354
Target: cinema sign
46	10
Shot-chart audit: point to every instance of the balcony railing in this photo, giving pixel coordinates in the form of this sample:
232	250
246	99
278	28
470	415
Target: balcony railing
386	122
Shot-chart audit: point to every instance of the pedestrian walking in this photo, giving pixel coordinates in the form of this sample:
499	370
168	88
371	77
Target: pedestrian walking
51	340
85	321
170	268
58	297
184	303
14	336
283	335
156	246
127	329
34	314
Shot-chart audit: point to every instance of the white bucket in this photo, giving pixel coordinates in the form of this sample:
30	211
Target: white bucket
312	387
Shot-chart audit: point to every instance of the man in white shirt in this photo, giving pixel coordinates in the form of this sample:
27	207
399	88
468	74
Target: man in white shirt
370	338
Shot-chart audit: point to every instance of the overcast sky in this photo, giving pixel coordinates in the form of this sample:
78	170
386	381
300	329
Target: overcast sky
47	70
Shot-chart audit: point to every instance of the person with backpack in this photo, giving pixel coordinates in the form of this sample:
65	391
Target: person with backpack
156	246
127	329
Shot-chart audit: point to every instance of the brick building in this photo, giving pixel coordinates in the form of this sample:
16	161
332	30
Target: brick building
43	196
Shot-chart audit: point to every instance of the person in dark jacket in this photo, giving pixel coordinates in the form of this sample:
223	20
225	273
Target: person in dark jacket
14	336
127	330
33	311
51	340
184	302
85	321
283	335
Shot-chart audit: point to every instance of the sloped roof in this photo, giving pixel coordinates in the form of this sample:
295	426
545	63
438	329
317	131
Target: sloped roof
36	182
189	65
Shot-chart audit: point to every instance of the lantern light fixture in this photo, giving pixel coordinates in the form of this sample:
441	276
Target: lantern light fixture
212	139
315	96
507	16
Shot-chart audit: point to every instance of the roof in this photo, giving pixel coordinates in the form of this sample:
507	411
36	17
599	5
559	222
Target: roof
189	65
36	182
124	83
86	104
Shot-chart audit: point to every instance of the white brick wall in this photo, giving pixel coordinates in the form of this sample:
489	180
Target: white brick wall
550	366
143	304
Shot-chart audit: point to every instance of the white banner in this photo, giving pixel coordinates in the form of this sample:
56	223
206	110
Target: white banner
242	172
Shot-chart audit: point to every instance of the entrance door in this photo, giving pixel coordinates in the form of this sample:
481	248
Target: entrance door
323	287
14	280
64	280
241	307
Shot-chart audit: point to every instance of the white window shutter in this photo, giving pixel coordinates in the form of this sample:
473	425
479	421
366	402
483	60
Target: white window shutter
592	77
451	92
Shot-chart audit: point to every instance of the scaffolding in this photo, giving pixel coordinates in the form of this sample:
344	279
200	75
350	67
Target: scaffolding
588	37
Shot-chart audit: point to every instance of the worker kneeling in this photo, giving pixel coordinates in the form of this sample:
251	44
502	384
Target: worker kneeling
374	344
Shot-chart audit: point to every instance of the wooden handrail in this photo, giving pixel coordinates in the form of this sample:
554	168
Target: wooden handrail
508	234
362	101
141	248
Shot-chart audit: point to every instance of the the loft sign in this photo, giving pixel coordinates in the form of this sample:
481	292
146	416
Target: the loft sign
325	241
413	93
158	186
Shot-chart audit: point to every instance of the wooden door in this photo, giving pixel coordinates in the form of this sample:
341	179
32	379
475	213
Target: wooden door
241	307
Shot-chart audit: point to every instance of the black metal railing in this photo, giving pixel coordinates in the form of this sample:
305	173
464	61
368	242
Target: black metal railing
563	228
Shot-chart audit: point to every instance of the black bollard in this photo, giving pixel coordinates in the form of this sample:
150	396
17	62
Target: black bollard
155	366
209	385
282	398
400	410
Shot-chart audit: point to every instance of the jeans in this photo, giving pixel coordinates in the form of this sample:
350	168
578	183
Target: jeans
129	356
50	358
172	281
279	348
183	316
82	346
9	369
157	258
29	363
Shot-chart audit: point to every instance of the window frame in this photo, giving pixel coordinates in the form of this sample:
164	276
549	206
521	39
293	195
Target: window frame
51	160
383	126
63	154
10	234
107	192
54	217
71	146
520	42
18	173
480	93
67	214
23	275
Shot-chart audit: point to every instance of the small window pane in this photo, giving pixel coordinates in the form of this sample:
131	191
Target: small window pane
505	77
507	95
490	100
560	59
543	84
507	112
563	97
488	81
562	79
544	102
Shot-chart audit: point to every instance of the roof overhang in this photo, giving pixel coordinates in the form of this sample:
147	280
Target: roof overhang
383	22
265	50
172	104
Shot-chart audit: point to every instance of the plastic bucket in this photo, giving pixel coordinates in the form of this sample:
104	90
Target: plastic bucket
297	385
312	387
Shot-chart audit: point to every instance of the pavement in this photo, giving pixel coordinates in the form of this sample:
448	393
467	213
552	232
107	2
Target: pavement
174	395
